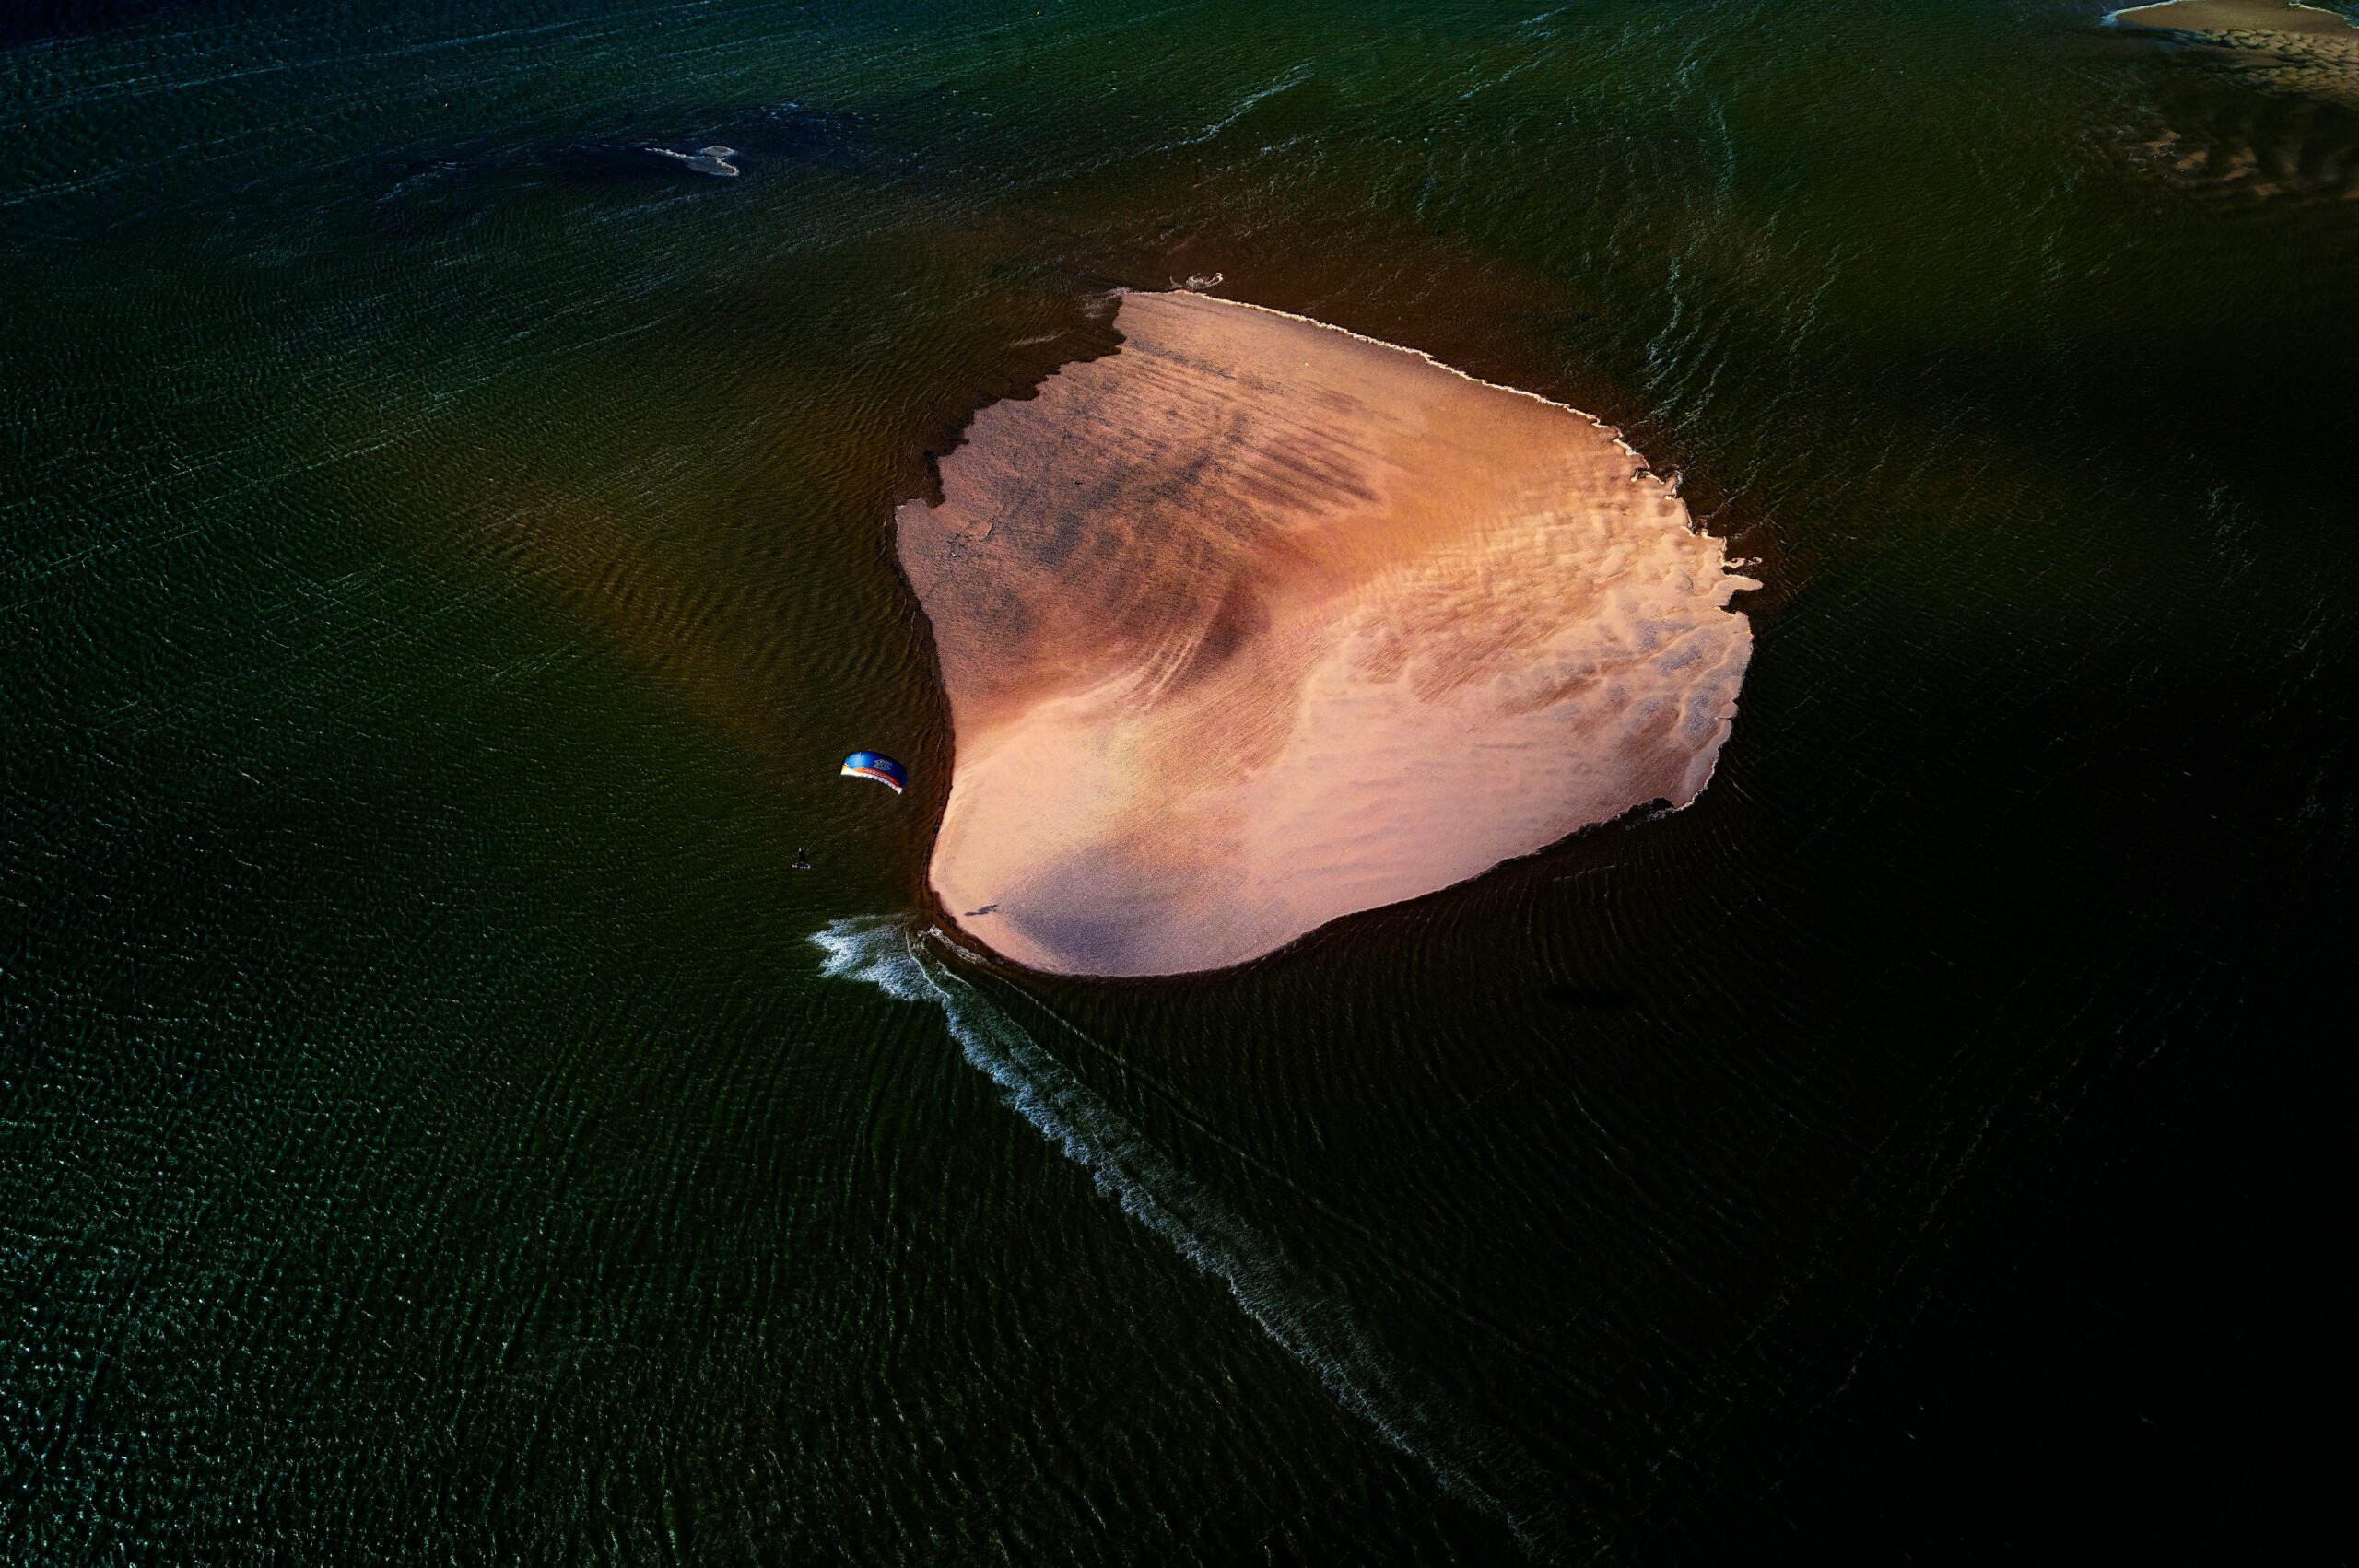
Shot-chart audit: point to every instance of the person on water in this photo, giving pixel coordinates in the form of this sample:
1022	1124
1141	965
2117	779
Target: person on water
802	862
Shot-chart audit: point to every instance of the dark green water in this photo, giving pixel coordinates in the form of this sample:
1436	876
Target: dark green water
446	555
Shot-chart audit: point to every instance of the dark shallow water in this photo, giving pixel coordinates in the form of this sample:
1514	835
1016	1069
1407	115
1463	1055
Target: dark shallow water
445	557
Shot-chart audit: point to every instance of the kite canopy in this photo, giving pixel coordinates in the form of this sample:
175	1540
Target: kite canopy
884	769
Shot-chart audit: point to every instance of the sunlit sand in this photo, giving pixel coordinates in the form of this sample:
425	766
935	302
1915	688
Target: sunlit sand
2236	15
1254	622
2292	48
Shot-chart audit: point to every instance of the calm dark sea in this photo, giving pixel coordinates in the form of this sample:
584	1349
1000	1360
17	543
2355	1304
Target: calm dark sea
444	555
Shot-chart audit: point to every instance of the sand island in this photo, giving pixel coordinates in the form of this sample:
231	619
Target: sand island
2226	17
2300	48
1254	622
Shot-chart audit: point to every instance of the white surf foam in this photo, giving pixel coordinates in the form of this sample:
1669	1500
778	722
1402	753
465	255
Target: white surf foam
713	160
1478	1466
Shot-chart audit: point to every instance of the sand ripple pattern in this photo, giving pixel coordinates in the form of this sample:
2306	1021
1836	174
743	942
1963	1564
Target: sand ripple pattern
1256	622
2300	49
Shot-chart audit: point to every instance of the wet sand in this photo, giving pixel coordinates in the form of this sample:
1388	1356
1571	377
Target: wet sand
1254	622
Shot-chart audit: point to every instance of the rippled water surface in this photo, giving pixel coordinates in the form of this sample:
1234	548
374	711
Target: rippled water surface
447	552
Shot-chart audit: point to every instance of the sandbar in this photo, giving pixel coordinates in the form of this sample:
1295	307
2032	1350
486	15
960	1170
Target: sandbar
2222	18
1254	622
2271	44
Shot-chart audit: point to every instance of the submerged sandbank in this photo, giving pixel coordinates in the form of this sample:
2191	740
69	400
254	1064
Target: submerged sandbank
2273	44
1255	623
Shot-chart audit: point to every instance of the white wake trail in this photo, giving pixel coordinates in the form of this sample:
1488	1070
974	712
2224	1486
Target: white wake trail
1480	1466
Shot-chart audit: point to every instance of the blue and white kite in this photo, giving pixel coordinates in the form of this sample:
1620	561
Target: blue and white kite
884	769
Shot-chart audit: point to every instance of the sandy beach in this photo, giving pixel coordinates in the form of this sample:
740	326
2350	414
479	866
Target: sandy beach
1255	623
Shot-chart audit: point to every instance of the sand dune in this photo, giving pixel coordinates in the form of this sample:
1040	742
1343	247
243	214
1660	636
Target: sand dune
1254	622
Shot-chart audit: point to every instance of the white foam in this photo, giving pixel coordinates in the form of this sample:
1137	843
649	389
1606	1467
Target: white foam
713	160
1479	1465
